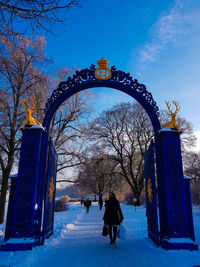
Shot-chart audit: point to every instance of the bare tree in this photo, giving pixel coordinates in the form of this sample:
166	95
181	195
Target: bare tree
114	181
21	76
66	128
19	73
36	14
125	132
21	63
191	162
98	175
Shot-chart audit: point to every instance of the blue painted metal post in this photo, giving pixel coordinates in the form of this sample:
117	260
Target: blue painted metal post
10	206
41	185
174	219
21	235
189	206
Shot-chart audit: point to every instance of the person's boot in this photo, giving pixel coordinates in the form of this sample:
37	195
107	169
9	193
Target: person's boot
114	234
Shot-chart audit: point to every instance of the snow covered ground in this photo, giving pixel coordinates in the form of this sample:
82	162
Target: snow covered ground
77	242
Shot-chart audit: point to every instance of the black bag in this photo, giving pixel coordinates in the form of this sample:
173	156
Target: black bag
105	230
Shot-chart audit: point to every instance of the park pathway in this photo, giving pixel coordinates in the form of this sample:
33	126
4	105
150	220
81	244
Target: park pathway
77	242
82	244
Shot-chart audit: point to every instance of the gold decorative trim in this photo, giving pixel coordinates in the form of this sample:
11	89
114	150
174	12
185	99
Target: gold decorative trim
51	190
149	190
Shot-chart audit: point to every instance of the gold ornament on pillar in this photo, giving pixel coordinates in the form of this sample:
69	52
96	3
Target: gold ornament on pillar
30	121
172	124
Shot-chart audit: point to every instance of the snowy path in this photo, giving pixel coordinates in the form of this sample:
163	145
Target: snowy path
77	242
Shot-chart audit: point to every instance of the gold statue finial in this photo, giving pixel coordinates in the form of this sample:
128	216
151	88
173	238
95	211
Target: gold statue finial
149	190
51	190
29	120
172	124
103	72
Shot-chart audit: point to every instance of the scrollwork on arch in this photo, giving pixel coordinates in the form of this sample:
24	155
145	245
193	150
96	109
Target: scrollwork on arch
88	75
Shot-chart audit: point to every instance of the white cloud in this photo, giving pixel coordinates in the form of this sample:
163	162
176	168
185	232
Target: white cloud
171	28
150	52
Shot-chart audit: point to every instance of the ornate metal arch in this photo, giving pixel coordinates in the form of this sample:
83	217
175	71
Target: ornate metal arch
86	79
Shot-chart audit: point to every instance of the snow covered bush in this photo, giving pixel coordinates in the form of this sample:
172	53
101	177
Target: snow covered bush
130	199
61	204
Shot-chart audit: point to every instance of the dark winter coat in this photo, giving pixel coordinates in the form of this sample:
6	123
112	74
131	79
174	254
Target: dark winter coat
113	213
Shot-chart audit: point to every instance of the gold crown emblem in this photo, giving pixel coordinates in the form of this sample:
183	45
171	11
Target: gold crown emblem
102	63
103	72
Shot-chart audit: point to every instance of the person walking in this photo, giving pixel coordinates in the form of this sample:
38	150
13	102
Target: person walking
87	204
100	202
112	217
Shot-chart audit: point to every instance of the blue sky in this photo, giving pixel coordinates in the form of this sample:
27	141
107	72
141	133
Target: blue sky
156	41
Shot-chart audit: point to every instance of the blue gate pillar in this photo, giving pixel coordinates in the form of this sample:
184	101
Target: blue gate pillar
21	234
175	221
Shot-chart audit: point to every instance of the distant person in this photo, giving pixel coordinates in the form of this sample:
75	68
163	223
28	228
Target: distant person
100	203
87	204
112	217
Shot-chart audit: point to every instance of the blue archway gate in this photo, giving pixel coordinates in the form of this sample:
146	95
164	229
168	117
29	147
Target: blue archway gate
28	224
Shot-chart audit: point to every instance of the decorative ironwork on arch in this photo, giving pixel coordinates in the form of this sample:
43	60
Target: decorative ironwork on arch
85	79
